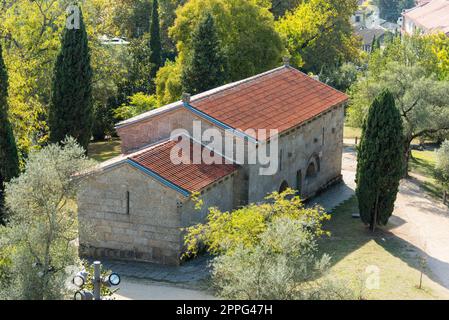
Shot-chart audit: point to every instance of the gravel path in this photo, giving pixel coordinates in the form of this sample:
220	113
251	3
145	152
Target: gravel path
418	219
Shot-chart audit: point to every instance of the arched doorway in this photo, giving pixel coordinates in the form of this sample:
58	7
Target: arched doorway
284	186
311	170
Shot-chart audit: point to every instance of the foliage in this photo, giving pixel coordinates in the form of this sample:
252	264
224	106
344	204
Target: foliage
206	68
30	30
155	41
71	112
167	10
89	268
318	33
342	77
442	164
42	224
410	68
139	103
282	265
9	161
224	232
245	30
280	7
103	121
391	10
267	251
168	83
379	161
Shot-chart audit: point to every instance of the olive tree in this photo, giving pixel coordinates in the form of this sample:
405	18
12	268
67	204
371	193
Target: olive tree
267	251
442	166
42	225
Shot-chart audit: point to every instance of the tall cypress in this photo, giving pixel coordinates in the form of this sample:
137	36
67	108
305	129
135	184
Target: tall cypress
71	111
9	160
380	165
155	41
207	67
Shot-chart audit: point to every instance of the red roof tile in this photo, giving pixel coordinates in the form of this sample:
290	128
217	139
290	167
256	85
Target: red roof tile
280	100
190	177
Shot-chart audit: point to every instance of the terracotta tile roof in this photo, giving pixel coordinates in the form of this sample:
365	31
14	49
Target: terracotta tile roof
281	99
190	177
432	16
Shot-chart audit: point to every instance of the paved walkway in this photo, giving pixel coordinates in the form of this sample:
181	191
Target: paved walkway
192	274
134	289
339	193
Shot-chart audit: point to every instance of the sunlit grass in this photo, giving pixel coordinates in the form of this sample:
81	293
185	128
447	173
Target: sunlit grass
104	150
354	249
423	164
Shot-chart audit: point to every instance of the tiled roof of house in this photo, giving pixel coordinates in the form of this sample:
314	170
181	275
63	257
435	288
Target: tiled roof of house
189	177
432	16
280	99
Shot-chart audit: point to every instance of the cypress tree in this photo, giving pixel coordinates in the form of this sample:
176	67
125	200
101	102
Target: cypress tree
71	110
155	41
9	160
206	68
380	165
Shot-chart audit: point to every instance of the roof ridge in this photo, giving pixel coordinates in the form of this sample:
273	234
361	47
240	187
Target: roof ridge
208	93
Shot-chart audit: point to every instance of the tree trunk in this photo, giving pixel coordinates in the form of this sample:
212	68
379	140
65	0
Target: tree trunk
372	226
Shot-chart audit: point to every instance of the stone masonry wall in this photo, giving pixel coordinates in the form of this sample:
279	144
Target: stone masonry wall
151	230
157	128
298	149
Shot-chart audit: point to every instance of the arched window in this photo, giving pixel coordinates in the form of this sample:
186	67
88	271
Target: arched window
284	186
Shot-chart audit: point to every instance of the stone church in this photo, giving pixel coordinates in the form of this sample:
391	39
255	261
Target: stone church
137	204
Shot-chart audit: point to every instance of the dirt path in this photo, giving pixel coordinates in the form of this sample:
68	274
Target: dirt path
418	219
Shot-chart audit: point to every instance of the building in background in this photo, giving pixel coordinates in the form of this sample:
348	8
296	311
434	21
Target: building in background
426	18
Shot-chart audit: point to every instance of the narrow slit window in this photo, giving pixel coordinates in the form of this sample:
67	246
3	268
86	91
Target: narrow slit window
127	202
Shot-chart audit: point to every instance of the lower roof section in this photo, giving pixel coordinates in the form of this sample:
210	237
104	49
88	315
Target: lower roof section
185	177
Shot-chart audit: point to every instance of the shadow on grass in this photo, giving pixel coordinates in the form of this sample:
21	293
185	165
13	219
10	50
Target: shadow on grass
350	234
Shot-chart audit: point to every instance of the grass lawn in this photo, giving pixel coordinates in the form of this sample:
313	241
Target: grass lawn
353	248
351	133
423	164
104	150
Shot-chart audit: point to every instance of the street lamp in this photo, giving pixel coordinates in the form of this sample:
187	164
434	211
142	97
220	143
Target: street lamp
113	279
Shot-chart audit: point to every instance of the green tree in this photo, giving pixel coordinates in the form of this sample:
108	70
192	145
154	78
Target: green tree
442	164
42	223
9	161
267	251
245	30
318	33
71	110
390	10
379	161
155	41
138	103
206	67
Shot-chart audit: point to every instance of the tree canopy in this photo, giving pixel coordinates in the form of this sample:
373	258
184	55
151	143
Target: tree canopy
379	161
319	33
71	112
9	161
206	68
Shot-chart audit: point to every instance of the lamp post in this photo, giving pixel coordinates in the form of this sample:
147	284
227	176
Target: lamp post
80	279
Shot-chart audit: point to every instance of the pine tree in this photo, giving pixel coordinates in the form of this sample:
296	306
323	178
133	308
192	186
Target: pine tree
206	68
380	165
155	41
71	110
9	160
